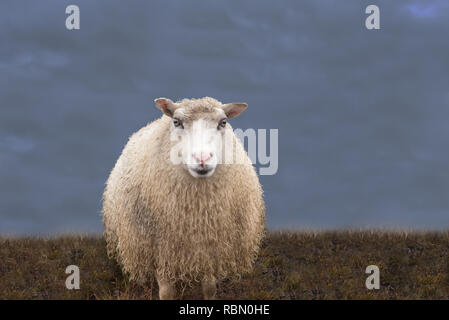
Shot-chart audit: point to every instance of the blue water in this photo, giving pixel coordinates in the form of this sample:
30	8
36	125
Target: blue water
362	115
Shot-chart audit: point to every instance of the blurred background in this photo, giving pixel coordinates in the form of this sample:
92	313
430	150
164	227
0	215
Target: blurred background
362	114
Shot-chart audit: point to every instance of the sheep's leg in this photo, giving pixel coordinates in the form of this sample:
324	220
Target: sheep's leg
166	290
209	287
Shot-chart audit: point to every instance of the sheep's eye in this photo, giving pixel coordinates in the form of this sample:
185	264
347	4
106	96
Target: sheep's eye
178	123
222	123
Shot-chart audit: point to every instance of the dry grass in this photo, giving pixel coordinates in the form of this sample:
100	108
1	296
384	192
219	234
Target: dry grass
292	265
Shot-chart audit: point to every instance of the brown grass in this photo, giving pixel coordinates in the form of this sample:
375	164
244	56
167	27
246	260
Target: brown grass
291	265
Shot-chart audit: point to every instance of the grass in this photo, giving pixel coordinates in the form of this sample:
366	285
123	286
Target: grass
291	265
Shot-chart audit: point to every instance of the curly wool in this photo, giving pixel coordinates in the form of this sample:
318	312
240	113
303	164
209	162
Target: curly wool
160	221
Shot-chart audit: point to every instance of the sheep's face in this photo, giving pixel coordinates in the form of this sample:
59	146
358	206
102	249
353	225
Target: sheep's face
199	128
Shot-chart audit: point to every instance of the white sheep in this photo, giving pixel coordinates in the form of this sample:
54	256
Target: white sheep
191	218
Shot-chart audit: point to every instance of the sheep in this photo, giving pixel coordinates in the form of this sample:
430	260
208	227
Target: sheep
199	219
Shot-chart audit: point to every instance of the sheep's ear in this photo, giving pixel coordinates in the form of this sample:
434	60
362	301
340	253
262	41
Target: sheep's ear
167	106
234	109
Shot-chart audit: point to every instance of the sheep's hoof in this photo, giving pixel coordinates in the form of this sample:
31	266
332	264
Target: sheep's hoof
209	288
166	290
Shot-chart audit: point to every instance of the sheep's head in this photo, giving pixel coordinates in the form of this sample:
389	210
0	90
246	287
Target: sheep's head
200	127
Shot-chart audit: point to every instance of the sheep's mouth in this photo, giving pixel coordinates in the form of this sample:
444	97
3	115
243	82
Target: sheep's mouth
201	172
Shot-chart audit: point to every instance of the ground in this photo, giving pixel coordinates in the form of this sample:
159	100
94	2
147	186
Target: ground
291	265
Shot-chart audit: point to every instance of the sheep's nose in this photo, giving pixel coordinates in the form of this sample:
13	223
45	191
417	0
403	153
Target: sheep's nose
203	157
